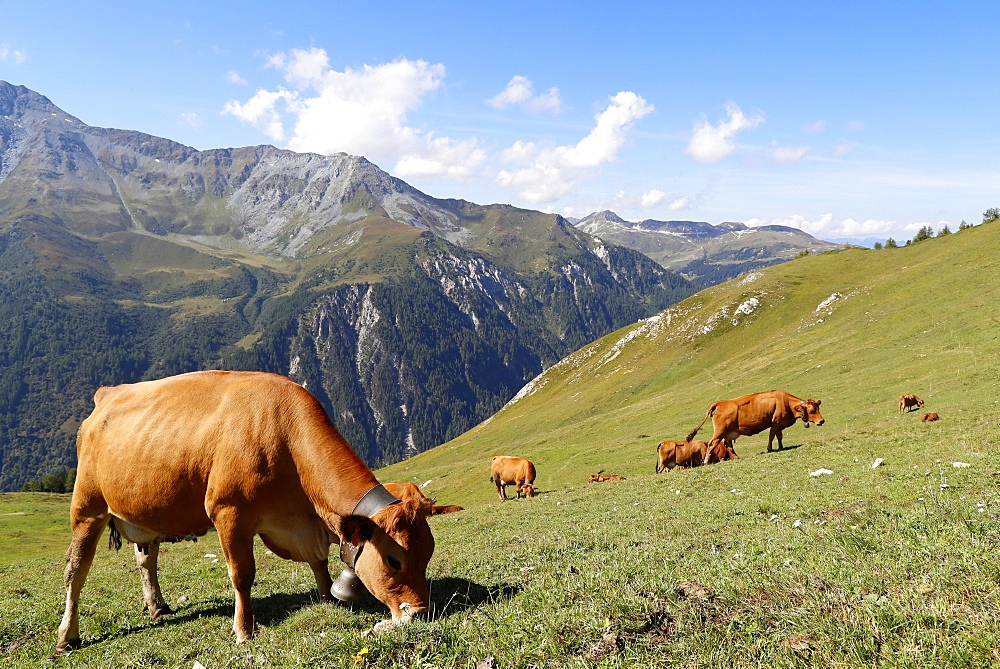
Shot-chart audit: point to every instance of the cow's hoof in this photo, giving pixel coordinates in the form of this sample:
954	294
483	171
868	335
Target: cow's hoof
159	612
67	646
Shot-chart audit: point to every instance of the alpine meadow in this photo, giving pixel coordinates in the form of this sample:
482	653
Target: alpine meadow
868	541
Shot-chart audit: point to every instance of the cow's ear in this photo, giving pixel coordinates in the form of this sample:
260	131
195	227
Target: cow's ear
799	409
818	402
357	529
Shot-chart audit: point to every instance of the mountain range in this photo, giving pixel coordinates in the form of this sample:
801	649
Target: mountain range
125	256
706	253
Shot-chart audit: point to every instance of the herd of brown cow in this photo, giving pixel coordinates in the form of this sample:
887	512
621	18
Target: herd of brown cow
909	402
254	454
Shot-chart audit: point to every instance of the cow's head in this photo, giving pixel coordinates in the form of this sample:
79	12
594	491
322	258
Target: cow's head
394	547
808	411
529	490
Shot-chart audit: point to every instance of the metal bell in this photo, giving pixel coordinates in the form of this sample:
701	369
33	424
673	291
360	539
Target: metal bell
348	587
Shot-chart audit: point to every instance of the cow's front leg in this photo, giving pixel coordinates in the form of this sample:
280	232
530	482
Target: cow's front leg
321	572
237	546
146	557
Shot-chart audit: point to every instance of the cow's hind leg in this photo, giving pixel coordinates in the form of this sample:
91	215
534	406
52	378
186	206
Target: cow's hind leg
146	557
237	546
87	533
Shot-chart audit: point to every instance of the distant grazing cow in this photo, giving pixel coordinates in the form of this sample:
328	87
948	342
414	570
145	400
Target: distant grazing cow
249	454
929	417
683	454
910	402
751	414
507	470
601	477
408	490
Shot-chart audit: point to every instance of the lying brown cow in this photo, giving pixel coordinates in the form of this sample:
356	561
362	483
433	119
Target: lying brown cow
601	477
408	490
751	414
508	470
910	402
929	417
721	451
249	454
683	454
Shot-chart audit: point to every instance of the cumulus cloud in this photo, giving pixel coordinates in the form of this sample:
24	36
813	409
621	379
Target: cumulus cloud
9	55
235	78
814	128
789	154
711	143
359	111
544	174
521	92
826	227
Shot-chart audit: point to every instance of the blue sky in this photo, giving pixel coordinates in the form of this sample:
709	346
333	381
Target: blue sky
847	119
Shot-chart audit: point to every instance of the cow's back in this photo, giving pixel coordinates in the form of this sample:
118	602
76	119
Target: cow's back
156	450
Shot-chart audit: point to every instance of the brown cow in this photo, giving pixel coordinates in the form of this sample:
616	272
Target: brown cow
750	414
250	454
721	451
507	470
407	490
929	417
910	402
683	454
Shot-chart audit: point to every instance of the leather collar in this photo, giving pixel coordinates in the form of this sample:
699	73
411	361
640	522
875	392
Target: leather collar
373	501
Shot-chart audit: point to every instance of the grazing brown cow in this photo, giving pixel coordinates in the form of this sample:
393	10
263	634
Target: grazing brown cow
508	470
683	454
929	417
601	477
408	490
750	414
249	454
910	402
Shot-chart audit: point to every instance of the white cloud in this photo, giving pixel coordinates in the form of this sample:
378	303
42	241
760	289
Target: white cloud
261	111
521	92
9	55
235	78
789	154
855	125
651	198
358	111
825	227
814	128
191	119
711	143
551	172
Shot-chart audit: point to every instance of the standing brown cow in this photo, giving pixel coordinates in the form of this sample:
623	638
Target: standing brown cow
750	414
249	454
683	454
910	402
508	470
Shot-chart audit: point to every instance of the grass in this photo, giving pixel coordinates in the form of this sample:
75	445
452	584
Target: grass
742	564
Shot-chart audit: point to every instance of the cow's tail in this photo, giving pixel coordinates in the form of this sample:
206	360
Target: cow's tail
115	537
708	413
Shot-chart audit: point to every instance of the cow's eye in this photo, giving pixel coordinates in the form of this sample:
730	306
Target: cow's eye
393	563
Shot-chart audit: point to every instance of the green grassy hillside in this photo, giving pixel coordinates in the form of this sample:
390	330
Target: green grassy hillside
741	564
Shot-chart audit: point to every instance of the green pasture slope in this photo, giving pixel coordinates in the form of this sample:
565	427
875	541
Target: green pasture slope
753	563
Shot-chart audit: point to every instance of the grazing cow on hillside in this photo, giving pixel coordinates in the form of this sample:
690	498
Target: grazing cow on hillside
601	477
683	454
408	490
750	414
508	470
929	417
249	454
910	402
